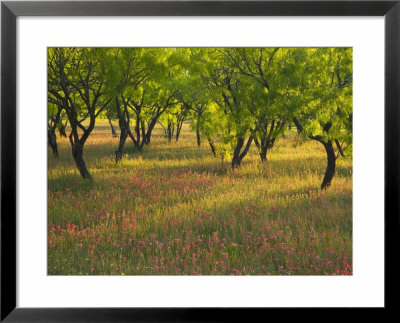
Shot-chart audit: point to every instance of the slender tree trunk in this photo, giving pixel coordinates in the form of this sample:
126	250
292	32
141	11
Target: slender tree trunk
122	139
114	134
339	148
143	133
178	130
236	153
262	148
77	153
246	148
51	135
330	169
212	147
169	131
123	131
198	137
198	132
148	136
137	130
149	131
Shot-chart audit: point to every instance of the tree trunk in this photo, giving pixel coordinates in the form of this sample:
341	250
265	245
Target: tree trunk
178	130
236	153
330	169
212	147
148	135
61	130
144	139
51	134
246	149
77	153
198	133
122	139
198	137
263	154
137	130
114	134
339	148
170	131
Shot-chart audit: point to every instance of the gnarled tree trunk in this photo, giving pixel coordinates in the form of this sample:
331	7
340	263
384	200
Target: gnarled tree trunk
77	153
51	135
331	166
237	154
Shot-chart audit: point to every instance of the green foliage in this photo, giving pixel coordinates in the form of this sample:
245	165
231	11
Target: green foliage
227	93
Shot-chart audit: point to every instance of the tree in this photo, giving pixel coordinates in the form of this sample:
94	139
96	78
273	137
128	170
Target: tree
274	76
327	114
54	117
128	73
232	94
77	85
172	121
144	92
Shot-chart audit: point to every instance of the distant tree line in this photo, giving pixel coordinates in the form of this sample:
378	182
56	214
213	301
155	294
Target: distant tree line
233	97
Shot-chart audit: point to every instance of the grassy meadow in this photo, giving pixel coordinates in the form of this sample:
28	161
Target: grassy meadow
174	209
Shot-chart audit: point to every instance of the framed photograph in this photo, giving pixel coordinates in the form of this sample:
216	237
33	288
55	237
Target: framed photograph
198	159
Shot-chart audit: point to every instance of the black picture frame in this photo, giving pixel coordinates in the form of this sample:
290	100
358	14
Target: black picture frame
10	10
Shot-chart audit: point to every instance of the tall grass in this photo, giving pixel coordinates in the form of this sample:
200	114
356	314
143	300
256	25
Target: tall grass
174	209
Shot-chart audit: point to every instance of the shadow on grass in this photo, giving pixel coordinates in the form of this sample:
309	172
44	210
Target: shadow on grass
271	169
330	210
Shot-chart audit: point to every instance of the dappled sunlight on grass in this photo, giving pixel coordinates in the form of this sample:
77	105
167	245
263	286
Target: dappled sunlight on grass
174	209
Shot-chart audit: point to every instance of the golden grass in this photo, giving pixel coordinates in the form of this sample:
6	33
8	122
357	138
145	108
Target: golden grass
175	209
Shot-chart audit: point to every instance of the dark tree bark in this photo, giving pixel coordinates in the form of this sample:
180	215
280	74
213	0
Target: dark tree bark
88	84
330	153
62	129
212	147
77	153
263	154
122	139
262	149
114	134
178	132
246	148
179	125
236	153
339	147
51	132
150	128
331	166
198	137
77	143
170	131
143	133
123	122
268	133
51	135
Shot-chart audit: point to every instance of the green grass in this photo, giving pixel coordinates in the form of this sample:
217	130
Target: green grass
174	209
